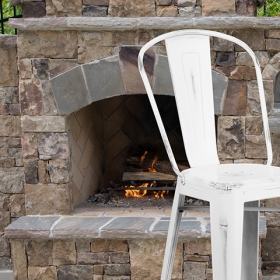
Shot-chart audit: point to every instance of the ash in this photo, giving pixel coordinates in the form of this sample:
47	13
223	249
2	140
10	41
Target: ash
109	198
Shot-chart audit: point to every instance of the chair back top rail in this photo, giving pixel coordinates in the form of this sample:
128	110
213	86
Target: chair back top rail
189	59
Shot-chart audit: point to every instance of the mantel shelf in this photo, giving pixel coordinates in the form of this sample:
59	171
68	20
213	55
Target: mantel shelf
158	23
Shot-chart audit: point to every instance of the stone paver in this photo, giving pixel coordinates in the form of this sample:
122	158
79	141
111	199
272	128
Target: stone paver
79	227
31	227
127	227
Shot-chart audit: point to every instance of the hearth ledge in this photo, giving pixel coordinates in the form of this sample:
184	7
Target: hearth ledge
80	227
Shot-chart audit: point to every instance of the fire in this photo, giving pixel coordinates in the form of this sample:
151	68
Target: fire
160	194
137	193
142	192
152	168
143	157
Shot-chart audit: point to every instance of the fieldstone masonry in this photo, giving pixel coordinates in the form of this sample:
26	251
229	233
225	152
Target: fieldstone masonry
90	259
48	148
133	8
68	247
12	204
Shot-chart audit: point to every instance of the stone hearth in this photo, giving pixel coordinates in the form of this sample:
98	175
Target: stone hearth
111	243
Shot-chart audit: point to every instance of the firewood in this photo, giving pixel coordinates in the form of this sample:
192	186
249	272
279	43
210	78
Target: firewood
148	176
135	163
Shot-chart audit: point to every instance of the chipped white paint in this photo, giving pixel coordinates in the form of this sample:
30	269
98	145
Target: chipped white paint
203	224
225	186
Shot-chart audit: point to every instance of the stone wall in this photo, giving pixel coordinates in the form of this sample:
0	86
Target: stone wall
46	151
105	259
11	163
133	8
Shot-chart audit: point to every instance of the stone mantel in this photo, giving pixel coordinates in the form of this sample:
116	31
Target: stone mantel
159	23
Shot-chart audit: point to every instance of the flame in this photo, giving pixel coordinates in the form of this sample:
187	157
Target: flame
143	157
145	186
152	168
137	193
160	194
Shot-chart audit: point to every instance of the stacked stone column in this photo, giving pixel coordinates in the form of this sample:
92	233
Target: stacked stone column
11	164
45	141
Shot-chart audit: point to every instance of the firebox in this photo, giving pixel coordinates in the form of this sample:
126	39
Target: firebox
116	139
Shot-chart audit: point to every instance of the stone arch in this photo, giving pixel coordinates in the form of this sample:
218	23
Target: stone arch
118	75
277	91
272	68
270	74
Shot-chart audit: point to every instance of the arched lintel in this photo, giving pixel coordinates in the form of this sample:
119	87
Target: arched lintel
118	75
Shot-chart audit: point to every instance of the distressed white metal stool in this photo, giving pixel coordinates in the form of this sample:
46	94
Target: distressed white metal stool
233	190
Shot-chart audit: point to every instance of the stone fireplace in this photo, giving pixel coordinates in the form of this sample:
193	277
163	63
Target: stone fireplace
73	107
119	122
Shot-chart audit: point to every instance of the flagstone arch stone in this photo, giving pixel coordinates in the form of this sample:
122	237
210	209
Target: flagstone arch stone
270	73
272	68
118	75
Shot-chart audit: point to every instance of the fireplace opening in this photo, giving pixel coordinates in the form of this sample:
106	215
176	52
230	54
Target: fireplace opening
119	124
116	141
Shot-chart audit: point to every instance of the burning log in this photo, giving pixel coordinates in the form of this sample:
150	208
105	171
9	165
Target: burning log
134	163
148	176
149	173
163	166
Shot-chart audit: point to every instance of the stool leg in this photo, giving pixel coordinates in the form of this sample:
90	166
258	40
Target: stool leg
226	218
172	237
250	250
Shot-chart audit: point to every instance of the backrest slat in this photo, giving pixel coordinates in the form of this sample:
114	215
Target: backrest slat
190	66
